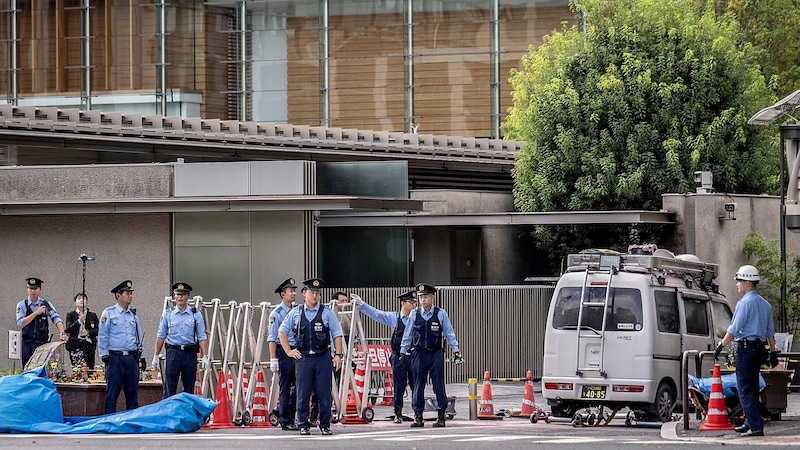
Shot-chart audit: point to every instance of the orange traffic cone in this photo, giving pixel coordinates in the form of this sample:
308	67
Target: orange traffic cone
222	413
716	419
528	400
359	377
260	416
198	388
486	405
230	387
388	390
351	414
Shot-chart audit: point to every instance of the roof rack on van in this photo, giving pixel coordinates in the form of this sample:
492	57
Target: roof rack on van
662	260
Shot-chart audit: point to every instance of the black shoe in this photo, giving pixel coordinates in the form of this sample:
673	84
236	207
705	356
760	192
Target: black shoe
305	431
742	428
398	418
752	433
326	431
291	427
439	423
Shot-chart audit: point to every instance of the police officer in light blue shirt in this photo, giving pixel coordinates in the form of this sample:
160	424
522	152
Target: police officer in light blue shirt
429	324
119	343
184	332
313	326
279	362
753	328
398	321
32	319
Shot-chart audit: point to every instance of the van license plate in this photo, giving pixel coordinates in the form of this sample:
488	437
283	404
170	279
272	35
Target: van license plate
593	392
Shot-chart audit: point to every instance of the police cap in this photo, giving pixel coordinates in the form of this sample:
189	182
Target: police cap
287	283
408	296
181	288
126	285
33	282
423	288
313	284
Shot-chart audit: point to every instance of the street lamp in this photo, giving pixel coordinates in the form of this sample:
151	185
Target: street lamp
790	140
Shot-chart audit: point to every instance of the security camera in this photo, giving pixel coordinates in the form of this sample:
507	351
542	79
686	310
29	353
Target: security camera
730	207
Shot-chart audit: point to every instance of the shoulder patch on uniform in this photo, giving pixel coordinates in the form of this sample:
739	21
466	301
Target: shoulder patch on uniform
18	310
272	319
103	319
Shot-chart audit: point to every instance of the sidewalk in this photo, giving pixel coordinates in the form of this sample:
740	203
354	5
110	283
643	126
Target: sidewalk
508	395
783	431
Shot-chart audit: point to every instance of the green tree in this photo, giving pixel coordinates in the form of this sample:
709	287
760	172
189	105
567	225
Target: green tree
772	25
626	110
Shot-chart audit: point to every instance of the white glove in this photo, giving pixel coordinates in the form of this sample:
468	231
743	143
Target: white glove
156	360
273	365
204	362
357	299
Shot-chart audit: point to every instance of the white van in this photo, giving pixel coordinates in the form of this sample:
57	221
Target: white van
627	350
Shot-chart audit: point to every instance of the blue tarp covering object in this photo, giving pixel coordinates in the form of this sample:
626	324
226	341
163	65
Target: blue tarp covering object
36	408
728	381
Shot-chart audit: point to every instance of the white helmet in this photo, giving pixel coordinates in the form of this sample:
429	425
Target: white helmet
747	273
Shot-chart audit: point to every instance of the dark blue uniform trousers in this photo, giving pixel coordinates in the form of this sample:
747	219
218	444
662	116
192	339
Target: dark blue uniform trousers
29	346
423	363
183	365
314	373
287	399
401	376
749	359
122	374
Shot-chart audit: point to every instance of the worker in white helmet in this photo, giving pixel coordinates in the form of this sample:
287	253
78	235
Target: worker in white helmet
752	329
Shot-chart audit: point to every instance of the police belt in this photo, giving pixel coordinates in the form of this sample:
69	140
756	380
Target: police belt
317	352
124	352
185	348
758	343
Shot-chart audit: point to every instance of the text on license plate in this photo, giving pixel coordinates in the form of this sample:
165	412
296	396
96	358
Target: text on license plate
593	392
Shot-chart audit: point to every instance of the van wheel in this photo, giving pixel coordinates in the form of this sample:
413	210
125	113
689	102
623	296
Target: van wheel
564	409
661	410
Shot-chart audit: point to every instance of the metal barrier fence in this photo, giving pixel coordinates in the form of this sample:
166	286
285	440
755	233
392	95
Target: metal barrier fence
499	328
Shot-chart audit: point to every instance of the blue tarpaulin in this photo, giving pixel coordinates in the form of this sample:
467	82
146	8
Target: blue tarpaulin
728	381
36	408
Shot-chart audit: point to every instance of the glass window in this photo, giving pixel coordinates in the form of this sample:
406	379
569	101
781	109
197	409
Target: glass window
625	309
667	315
721	313
696	316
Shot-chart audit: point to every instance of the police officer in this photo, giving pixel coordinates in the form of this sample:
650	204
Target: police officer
398	321
82	326
428	325
184	332
120	348
752	327
279	362
32	315
313	327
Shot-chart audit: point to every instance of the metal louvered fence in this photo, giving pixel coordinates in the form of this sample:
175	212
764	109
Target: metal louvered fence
499	328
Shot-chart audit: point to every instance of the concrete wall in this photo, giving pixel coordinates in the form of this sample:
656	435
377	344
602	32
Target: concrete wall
126	246
86	182
699	230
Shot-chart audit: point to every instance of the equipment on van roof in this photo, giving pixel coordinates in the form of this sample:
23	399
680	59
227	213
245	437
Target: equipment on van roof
661	264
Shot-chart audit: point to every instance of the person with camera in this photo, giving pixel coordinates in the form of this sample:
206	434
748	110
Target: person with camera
120	348
33	314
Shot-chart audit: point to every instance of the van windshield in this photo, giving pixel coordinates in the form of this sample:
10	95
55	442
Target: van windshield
624	309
